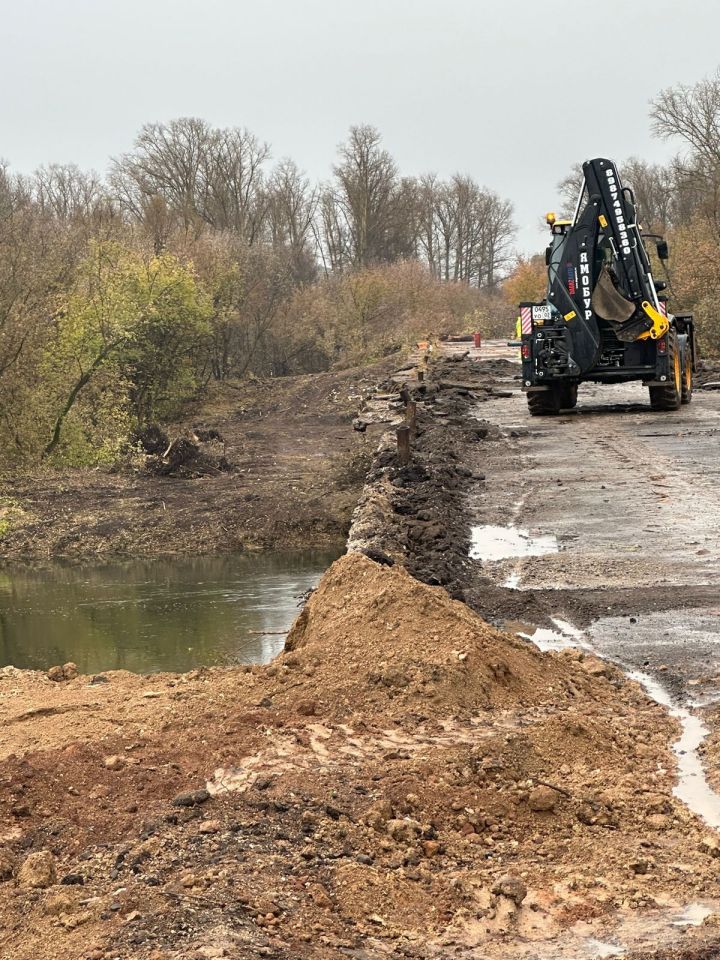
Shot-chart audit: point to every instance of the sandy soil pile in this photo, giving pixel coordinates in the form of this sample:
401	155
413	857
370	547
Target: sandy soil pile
404	780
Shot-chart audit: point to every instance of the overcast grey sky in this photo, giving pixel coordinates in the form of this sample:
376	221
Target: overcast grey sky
512	93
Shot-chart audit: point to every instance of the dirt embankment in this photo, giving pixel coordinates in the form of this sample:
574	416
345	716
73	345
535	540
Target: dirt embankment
294	467
404	780
416	515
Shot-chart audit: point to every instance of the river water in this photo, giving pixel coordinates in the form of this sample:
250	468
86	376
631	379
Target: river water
154	615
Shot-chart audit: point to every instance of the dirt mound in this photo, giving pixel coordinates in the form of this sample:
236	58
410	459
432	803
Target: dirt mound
373	635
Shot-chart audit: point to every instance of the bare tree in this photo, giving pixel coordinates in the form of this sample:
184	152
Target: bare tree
203	176
292	205
691	113
368	195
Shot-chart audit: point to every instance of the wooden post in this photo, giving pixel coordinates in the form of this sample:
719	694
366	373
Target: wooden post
421	376
403	445
404	394
411	417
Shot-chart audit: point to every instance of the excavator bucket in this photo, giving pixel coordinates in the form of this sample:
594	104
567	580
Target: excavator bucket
608	302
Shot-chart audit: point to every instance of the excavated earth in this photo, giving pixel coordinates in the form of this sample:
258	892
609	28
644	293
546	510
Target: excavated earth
408	779
404	780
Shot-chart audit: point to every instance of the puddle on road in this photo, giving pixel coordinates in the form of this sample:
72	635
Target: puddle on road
693	915
492	542
692	786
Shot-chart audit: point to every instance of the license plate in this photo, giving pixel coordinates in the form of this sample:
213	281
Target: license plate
541	313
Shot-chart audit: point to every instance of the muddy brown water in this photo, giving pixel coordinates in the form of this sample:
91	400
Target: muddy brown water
152	616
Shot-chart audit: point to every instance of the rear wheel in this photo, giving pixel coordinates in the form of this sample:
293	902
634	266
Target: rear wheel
668	396
687	379
568	396
560	396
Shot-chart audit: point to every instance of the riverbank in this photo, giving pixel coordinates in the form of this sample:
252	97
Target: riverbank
296	467
433	788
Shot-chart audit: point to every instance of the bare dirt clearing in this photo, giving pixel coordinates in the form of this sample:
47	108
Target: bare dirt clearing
297	467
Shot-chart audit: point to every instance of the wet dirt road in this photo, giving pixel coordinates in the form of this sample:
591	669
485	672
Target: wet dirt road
632	498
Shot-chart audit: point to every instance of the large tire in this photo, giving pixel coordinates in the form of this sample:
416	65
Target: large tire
687	377
560	396
542	403
668	396
568	396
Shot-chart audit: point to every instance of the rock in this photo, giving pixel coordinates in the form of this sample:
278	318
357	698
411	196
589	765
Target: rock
265	906
431	848
306	708
211	953
710	844
210	826
7	865
38	871
596	667
379	814
404	831
70	671
56	673
114	762
658	803
543	799
658	821
191	799
512	887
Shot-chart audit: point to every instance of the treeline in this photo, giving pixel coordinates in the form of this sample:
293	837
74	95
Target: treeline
198	258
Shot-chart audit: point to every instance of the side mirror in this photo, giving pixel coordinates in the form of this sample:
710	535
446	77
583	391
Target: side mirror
662	249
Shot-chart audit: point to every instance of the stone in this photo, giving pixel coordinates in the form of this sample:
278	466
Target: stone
431	848
640	867
306	708
379	814
114	762
543	799
191	799
710	844
56	674
38	871
512	887
7	865
658	821
210	826
404	831
267	907
70	671
596	667
211	952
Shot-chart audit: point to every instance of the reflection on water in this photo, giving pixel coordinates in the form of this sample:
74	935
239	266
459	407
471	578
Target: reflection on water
154	615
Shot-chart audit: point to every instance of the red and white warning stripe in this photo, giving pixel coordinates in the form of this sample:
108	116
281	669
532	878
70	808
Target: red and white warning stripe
526	319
